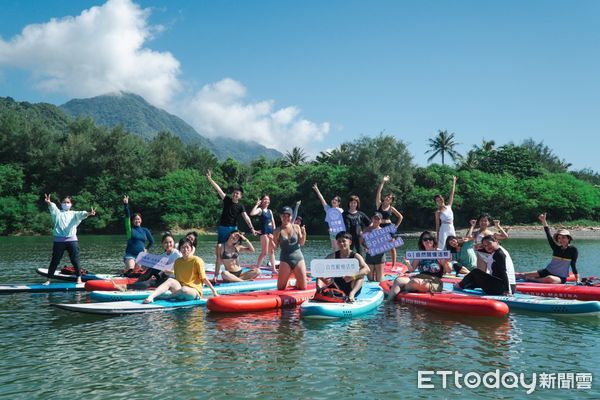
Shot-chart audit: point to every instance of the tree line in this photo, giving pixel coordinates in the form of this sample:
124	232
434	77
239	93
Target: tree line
40	152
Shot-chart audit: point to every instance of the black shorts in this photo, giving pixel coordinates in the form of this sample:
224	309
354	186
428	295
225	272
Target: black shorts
544	273
236	273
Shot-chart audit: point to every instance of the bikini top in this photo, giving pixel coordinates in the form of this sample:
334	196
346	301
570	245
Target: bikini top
229	256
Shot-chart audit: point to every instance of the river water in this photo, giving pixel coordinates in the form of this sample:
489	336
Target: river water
47	353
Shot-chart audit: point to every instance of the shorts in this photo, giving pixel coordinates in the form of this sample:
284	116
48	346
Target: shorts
129	257
376	259
223	233
435	282
544	273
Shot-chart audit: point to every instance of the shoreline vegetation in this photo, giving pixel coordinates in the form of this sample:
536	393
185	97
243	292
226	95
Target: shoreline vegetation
43	151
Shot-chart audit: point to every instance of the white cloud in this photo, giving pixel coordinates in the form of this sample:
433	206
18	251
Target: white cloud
221	109
102	50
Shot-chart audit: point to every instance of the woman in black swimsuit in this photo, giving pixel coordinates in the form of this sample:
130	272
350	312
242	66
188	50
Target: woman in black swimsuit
229	257
385	208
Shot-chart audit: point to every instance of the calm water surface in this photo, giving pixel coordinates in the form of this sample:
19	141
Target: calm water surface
48	353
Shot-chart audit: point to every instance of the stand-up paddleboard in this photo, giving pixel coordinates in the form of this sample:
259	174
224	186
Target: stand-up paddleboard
129	307
451	302
222	288
399	268
261	300
527	302
108	284
39	288
73	278
370	297
563	291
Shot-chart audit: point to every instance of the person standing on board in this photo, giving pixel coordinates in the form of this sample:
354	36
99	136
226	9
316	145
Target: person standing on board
355	221
267	225
385	208
64	230
444	217
564	256
232	209
330	212
137	236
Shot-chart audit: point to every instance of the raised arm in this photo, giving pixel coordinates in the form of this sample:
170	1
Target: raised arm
256	209
379	190
127	216
247	247
301	234
214	184
472	222
542	218
501	234
451	197
319	195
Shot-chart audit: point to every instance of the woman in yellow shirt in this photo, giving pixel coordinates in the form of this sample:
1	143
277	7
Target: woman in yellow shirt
189	276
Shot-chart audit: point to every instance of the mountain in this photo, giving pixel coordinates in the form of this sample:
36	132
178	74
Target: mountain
140	117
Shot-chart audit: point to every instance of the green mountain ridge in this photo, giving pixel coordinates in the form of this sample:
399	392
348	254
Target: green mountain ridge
138	116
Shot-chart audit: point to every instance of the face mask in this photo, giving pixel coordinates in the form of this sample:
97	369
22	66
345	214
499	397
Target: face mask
65	206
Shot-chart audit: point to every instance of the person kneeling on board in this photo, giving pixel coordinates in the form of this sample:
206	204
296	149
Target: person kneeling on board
500	276
350	285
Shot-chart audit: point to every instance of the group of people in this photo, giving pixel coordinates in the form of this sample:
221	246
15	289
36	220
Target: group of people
478	255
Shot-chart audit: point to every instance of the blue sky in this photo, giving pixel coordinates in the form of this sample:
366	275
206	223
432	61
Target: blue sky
316	73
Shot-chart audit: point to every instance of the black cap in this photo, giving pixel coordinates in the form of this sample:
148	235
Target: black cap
287	210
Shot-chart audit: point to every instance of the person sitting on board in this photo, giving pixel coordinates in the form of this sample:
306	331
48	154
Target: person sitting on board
137	236
375	262
564	256
350	285
500	276
232	209
464	258
64	230
336	201
430	274
267	225
189	276
145	280
290	238
484	221
236	243
386	209
192	236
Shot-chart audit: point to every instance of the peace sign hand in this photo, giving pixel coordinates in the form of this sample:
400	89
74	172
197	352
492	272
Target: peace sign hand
92	212
47	198
125	199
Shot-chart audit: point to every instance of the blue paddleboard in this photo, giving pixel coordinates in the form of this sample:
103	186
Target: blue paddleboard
129	307
370	297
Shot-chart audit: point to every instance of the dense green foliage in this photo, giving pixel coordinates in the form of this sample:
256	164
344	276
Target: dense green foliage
136	115
43	151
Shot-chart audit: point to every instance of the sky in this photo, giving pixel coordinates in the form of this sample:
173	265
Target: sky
316	74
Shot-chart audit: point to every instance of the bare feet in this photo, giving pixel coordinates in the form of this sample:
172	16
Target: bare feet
46	283
148	300
79	281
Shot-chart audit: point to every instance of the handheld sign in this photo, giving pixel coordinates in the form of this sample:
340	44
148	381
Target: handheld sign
334	218
381	240
334	267
155	261
427	255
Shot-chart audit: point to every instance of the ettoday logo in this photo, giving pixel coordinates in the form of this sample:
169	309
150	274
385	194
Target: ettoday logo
508	380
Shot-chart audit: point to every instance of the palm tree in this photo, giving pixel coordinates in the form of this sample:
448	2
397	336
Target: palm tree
295	157
486	145
443	144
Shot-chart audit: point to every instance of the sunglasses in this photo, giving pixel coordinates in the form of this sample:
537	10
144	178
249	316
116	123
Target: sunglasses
427	239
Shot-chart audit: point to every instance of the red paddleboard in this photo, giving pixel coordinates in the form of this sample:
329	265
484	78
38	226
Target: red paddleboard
261	300
452	302
108	284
